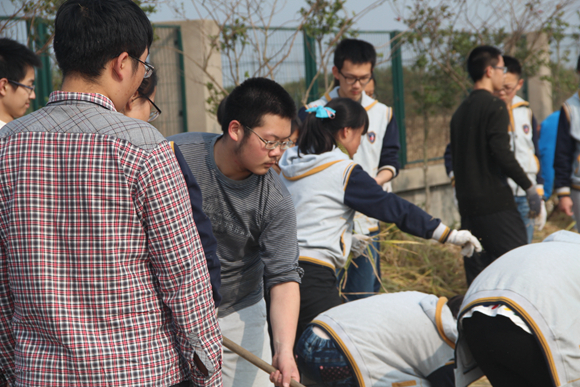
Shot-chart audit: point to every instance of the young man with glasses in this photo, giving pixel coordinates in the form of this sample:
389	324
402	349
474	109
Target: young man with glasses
482	162
17	64
103	279
254	222
524	134
378	154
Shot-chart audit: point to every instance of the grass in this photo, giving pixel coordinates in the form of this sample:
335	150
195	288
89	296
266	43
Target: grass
429	267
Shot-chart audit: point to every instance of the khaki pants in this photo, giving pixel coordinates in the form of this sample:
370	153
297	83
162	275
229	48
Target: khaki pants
248	328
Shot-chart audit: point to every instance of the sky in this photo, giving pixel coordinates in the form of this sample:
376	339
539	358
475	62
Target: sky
381	18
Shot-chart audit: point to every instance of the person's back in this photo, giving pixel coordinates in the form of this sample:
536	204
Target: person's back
17	64
388	339
516	319
101	286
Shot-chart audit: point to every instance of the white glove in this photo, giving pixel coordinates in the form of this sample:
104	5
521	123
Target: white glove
359	244
466	240
541	219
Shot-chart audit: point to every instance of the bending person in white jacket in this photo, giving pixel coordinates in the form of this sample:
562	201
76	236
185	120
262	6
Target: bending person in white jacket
396	339
518	324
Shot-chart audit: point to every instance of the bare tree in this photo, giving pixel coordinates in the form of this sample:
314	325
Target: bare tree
246	30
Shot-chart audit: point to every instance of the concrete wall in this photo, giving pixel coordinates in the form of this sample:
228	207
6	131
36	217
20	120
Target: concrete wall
540	90
196	37
410	186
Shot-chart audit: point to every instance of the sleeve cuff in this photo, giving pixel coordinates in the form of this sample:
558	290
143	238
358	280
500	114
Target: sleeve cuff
391	168
563	191
441	233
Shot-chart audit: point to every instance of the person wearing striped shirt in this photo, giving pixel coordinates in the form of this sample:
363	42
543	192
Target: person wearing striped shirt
254	222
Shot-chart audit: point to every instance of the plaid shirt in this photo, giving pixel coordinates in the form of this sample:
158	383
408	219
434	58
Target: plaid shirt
103	279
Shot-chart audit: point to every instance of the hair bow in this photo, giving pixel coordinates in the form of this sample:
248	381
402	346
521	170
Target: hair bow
322	112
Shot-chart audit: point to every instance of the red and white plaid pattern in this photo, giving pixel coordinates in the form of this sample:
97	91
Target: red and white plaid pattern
103	280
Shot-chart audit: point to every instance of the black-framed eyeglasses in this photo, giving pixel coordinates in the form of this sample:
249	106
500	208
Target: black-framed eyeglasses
270	145
502	68
148	67
350	80
154	112
28	88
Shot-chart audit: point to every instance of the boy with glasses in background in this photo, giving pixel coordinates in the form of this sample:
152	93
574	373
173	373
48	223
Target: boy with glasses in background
524	135
378	154
17	64
482	162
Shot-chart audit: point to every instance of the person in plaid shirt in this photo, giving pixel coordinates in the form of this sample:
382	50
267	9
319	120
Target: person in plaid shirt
103	278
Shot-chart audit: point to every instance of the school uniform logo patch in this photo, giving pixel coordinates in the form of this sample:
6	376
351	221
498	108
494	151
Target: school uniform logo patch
526	129
372	136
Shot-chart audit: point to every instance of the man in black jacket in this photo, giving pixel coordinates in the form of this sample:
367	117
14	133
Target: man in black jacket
482	162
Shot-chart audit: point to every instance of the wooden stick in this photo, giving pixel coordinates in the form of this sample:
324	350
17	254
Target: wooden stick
255	360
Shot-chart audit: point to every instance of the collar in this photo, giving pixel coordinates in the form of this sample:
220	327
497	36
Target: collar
68	96
343	149
366	101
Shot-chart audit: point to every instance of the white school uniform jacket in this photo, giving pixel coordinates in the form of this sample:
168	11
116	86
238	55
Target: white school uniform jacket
368	155
327	189
395	339
541	283
521	142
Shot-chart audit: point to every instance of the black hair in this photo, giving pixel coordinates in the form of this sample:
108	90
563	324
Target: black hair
15	59
221	111
89	33
355	50
454	305
317	135
254	98
513	65
148	85
295	125
578	64
480	58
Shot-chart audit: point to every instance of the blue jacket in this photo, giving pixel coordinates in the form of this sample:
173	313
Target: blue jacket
547	148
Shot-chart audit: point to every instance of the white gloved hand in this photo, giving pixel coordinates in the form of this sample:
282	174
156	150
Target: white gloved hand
466	240
541	219
359	244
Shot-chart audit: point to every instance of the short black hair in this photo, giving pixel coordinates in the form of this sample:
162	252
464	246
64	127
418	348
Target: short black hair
221	111
479	59
254	98
15	59
513	65
355	50
318	135
89	33
148	85
578	64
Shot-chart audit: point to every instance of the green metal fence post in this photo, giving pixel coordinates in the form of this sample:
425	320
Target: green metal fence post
310	66
179	44
43	75
399	93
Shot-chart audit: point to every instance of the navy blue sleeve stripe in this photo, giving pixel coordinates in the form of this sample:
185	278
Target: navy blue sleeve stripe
364	195
391	146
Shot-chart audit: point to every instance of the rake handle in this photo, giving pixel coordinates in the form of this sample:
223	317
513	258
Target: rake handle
255	360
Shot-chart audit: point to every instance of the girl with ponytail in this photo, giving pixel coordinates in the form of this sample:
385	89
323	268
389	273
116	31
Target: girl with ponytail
327	188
